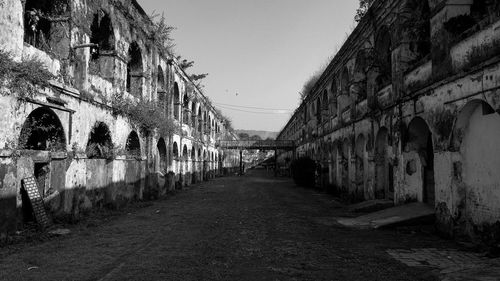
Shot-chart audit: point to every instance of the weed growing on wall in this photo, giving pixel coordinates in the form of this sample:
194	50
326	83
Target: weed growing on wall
162	34
21	79
148	115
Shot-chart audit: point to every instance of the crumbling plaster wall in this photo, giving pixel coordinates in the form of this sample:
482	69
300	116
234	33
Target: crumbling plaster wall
457	72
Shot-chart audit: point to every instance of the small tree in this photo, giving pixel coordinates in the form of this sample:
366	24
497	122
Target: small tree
364	5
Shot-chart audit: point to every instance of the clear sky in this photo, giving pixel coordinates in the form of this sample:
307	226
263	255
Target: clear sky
258	53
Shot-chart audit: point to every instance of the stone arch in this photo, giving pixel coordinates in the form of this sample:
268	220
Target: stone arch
199	153
39	30
334	91
134	70
160	79
345	81
421	165
336	164
478	130
185	152
383	169
344	168
193	115
326	100
102	34
100	144
177	101
462	121
133	145
359	77
193	153
361	166
42	130
318	110
185	108
383	58
415	22
161	146
175	149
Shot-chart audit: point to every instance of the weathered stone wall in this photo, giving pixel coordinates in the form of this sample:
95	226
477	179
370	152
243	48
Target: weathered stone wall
133	164
427	132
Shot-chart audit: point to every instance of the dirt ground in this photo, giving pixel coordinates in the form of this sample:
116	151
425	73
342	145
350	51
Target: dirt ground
254	227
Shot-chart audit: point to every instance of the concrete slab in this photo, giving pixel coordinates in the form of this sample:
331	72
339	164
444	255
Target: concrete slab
397	215
371	206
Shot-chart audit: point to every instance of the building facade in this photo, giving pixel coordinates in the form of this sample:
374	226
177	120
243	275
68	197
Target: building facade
407	111
79	134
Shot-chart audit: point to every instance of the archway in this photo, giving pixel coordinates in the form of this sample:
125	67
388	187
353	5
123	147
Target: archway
185	109
102	34
177	102
162	153
185	152
160	81
360	167
359	77
175	148
420	141
383	58
99	145
477	131
383	169
133	145
42	130
39	30
134	70
345	165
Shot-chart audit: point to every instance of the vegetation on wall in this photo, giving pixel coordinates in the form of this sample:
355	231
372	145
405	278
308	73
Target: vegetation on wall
479	54
148	115
162	34
364	5
21	79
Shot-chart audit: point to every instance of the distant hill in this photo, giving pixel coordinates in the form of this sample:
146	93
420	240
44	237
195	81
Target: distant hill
262	134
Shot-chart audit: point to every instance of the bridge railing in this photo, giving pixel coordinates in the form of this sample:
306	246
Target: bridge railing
256	144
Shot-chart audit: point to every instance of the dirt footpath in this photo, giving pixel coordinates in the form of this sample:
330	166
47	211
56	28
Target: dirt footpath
254	227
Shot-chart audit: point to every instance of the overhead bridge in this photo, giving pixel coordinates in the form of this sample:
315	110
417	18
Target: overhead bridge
256	144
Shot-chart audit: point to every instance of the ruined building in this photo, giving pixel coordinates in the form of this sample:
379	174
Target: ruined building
408	110
119	119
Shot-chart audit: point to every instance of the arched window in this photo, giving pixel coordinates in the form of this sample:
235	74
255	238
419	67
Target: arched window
175	148
133	145
100	145
102	34
333	89
200	120
160	79
177	102
345	81
38	28
326	102
318	110
162	153
134	70
185	152
383	58
360	79
185	109
42	130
